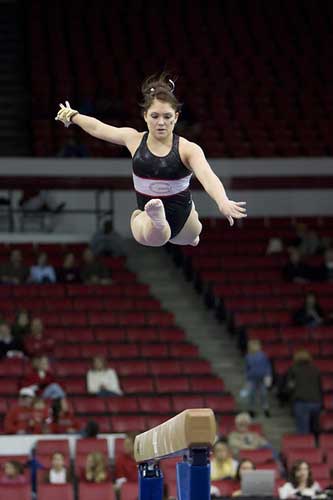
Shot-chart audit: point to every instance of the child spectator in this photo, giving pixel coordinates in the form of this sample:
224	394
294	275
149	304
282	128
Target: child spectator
102	380
40	417
21	327
96	468
222	465
63	417
36	344
258	376
310	314
8	345
69	272
301	483
126	468
303	381
41	379
42	272
93	270
18	418
243	438
14	271
58	473
13	473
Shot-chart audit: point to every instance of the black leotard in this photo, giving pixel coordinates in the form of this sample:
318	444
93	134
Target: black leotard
165	178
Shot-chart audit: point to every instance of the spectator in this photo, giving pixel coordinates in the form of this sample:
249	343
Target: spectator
64	421
243	466
303	381
222	465
126	469
40	417
13	473
18	418
73	148
21	327
8	345
106	241
102	380
300	482
41	379
296	271
37	200
325	272
42	272
93	270
96	468
36	344
69	272
275	245
58	473
91	429
306	241
14	271
310	314
258	376
243	438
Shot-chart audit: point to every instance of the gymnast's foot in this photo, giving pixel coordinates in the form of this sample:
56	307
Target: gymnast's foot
155	211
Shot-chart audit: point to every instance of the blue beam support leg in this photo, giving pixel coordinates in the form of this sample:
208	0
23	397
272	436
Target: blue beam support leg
193	476
150	482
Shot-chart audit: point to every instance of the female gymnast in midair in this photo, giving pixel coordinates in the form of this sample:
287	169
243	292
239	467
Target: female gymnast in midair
163	164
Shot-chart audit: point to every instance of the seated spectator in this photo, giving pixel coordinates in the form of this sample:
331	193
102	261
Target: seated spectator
9	346
300	482
126	469
90	430
41	379
21	327
275	245
18	417
243	466
304	384
96	468
243	438
36	344
39	200
93	270
14	271
69	272
102	380
42	272
63	419
58	473
258	377
306	241
325	272
310	314
296	271
13	473
41	417
222	465
106	241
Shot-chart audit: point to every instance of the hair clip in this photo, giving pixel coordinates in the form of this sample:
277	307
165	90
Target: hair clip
172	85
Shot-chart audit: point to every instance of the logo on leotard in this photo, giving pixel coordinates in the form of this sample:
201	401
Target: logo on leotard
160	187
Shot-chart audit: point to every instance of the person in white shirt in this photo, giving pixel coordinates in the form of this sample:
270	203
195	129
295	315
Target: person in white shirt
42	271
300	483
102	380
58	473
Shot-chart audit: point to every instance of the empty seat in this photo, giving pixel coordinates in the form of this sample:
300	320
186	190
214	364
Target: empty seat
46	447
89	445
257	456
126	423
15	492
103	491
55	491
129	491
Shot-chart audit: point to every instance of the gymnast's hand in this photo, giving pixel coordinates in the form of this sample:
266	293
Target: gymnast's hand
65	114
233	210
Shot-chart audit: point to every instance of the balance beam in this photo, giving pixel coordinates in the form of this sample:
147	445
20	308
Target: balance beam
191	428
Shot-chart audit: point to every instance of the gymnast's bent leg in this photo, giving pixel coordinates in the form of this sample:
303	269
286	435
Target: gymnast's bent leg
149	226
189	235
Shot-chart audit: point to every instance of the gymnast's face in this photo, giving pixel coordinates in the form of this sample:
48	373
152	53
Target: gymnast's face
161	119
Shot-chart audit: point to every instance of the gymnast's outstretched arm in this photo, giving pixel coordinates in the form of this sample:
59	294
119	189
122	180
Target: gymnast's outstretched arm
94	127
211	183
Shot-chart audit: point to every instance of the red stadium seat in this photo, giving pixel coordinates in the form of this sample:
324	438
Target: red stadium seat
15	492
181	403
103	491
84	446
172	384
157	404
326	422
207	384
55	491
129	491
310	455
135	385
122	405
294	441
128	423
46	447
89	404
257	456
221	404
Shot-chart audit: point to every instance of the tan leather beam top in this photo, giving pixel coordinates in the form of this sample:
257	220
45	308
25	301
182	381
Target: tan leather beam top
190	428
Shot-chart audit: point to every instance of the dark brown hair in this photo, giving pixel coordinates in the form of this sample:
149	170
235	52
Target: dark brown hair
160	87
293	479
238	476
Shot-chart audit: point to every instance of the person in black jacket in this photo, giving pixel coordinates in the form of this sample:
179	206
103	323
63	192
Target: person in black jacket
310	314
303	380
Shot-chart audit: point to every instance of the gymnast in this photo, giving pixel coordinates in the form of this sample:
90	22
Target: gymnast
163	164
